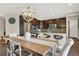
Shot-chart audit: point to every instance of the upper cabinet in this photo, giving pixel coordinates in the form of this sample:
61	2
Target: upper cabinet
61	22
45	24
35	22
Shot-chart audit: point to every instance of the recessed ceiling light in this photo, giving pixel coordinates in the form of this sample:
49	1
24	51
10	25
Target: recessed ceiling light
70	4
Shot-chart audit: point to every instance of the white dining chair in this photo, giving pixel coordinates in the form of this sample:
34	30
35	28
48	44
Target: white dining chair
15	49
9	48
66	48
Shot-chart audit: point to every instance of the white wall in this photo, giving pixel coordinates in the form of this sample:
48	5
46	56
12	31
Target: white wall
1	26
74	28
11	28
72	24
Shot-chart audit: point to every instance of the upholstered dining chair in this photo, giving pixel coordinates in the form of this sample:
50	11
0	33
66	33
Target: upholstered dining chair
66	48
15	49
58	38
9	49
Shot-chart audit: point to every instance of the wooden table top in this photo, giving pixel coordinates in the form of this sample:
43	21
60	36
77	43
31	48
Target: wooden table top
38	48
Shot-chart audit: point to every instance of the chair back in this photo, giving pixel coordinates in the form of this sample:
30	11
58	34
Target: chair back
13	48
9	49
67	47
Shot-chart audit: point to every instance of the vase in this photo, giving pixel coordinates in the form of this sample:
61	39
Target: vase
27	35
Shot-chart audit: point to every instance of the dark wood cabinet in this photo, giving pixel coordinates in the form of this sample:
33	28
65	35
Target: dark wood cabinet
60	22
35	22
44	24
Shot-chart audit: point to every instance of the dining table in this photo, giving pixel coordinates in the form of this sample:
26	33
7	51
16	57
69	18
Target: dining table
35	48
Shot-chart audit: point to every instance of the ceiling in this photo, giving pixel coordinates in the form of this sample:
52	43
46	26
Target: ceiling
42	11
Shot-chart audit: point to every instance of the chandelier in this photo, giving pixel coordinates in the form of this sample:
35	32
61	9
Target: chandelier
28	14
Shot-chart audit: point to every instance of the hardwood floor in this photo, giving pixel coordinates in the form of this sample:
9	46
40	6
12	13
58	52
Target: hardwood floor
74	51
